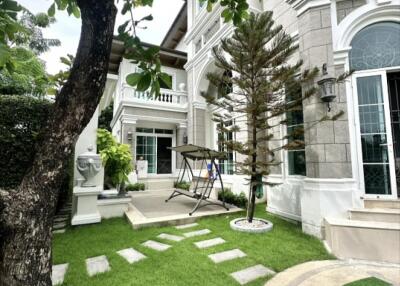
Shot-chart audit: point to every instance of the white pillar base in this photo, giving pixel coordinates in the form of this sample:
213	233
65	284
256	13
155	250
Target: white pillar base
325	197
85	205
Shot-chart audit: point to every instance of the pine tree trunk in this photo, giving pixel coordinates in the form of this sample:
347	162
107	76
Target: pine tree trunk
27	212
253	180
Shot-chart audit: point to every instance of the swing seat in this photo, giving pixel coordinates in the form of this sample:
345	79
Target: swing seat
200	187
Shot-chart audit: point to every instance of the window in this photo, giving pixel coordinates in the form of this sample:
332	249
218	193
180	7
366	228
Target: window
152	130
227	167
376	46
164	85
295	131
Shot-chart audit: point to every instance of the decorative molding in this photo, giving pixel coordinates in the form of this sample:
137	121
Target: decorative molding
182	125
302	6
318	184
340	56
199	105
155	105
129	119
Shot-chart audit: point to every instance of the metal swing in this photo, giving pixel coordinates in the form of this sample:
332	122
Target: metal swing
201	187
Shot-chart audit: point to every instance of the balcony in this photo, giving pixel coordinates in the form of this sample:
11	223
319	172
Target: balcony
167	98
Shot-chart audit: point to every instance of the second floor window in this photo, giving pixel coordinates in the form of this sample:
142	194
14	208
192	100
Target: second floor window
164	85
295	131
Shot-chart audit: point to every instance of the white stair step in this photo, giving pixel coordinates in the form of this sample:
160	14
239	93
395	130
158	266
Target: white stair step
382	203
366	240
376	214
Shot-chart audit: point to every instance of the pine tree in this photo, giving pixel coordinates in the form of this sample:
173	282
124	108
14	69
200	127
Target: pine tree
265	89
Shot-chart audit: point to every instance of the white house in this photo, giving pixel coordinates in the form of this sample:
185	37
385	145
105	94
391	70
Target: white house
343	187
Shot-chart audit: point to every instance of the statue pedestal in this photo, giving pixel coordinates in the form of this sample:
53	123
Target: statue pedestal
85	205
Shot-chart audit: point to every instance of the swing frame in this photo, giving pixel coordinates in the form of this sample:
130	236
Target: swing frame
199	193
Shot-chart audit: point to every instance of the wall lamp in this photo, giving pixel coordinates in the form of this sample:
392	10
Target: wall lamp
327	87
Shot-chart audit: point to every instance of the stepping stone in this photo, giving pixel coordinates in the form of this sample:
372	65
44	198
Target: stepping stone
170	237
58	273
197	233
209	242
156	245
226	255
131	255
96	265
184	226
58	231
252	273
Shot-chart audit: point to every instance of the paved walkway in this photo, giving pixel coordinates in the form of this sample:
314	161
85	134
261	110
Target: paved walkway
335	273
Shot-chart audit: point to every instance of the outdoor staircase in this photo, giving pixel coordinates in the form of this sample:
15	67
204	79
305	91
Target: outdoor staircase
370	233
62	218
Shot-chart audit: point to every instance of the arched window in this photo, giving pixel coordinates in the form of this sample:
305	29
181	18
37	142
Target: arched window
376	46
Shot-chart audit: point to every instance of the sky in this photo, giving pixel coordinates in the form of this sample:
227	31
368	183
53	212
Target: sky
67	28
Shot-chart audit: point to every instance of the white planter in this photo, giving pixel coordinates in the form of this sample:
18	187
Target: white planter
259	225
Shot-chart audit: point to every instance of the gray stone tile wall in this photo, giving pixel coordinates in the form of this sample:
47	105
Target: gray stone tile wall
327	142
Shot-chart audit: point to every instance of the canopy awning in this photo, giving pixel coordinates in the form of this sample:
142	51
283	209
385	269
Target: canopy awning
195	152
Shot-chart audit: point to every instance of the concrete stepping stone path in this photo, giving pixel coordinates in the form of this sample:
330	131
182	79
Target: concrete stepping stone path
184	226
158	246
131	255
209	242
227	255
252	273
170	237
58	273
96	265
197	233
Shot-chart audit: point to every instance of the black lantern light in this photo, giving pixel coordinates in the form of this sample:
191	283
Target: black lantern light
327	87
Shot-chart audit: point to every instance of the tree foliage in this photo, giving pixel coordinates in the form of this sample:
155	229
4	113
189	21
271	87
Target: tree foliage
22	119
257	55
106	117
28	76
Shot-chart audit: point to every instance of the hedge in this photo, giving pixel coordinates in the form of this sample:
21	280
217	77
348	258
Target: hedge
21	119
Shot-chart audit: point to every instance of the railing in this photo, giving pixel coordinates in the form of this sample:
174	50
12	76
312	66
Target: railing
166	96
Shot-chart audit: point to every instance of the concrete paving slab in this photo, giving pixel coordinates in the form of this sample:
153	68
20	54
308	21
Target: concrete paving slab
170	237
227	255
252	273
131	255
197	233
209	242
158	246
58	273
184	226
97	265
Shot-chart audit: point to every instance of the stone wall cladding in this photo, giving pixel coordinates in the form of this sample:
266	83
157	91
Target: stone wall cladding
343	8
327	142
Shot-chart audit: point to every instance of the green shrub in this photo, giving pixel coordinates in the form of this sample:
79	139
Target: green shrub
182	185
22	118
135	187
233	199
117	158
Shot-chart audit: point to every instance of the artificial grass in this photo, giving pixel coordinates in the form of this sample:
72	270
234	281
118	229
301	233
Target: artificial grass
183	264
370	281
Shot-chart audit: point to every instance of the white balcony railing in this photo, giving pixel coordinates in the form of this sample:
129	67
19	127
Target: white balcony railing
167	96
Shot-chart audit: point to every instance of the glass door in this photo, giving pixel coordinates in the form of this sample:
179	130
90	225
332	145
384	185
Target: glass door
374	135
394	100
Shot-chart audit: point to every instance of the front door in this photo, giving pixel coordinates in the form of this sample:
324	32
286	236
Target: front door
374	133
164	155
394	99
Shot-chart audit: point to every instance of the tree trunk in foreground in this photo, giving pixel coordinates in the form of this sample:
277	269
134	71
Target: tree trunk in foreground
27	212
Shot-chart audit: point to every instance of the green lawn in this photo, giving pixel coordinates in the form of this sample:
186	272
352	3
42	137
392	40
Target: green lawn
183	264
371	281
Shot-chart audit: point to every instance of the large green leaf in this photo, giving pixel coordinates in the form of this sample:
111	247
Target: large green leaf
144	82
133	78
